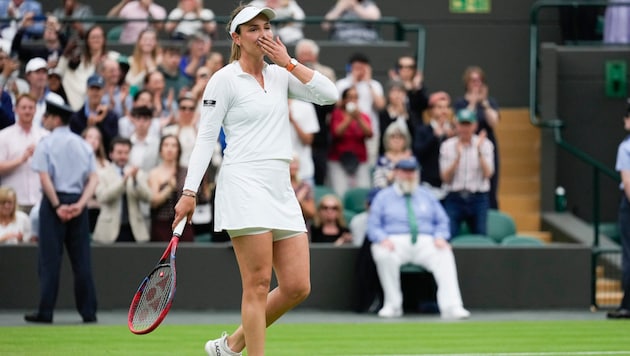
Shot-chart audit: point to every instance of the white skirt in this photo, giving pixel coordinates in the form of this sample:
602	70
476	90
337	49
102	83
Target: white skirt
257	194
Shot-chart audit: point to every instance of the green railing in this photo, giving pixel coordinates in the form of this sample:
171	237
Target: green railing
556	124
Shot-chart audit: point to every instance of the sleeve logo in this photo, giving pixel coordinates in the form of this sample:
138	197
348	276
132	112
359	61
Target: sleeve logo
208	102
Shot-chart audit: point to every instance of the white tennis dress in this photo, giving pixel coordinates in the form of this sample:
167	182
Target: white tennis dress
253	187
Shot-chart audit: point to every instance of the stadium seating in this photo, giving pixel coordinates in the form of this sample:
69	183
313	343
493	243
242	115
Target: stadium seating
521	240
354	199
320	191
500	225
472	240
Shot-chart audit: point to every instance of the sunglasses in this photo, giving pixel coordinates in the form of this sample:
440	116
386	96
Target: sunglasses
187	108
329	207
203	75
2	202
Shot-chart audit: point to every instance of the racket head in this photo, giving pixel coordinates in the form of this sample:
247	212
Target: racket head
152	300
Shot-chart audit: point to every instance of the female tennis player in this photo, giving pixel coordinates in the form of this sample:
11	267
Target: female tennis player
255	202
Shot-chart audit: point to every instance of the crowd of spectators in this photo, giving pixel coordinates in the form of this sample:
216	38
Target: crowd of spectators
155	90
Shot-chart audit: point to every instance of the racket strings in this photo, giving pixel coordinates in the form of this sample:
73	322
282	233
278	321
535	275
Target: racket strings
155	298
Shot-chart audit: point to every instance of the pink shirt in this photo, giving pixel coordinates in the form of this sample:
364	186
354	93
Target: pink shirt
13	142
133	10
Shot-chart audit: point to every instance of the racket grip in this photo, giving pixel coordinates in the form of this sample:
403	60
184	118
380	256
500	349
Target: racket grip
180	227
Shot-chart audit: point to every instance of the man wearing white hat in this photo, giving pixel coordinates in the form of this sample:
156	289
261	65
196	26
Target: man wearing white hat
36	73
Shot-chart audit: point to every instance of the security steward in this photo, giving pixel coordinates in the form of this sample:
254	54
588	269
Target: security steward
67	171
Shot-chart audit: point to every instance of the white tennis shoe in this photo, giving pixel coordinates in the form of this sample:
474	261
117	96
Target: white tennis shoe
219	347
455	313
390	312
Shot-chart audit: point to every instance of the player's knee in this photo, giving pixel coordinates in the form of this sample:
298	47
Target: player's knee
299	291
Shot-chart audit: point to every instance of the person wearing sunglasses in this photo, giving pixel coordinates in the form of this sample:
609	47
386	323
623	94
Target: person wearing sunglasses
329	224
407	72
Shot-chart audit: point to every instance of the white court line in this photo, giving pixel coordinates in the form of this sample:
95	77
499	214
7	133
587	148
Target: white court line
562	353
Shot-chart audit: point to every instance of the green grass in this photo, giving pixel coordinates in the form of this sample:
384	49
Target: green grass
530	337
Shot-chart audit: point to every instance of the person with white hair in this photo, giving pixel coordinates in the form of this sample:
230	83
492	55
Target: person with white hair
407	224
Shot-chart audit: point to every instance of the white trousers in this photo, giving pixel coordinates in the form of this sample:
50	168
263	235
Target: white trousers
440	262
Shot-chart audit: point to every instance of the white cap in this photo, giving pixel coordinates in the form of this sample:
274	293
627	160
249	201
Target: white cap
249	13
36	64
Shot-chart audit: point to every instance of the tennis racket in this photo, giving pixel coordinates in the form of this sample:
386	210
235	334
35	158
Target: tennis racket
154	297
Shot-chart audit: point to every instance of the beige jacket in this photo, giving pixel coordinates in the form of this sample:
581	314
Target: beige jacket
109	194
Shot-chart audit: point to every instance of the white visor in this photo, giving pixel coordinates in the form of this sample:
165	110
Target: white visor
249	13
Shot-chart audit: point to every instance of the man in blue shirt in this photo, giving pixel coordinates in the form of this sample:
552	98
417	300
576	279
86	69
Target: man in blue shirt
407	224
623	166
67	170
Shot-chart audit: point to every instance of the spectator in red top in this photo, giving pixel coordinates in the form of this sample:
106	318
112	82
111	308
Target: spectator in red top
347	159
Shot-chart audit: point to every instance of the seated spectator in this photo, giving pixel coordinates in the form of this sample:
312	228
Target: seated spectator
347	158
15	225
134	10
51	47
185	129
146	56
439	127
95	113
303	191
407	224
92	135
121	187
396	110
397	147
174	79
74	10
407	72
78	63
354	32
27	12
188	18
199	45
167	182
466	165
329	224
286	10
126	126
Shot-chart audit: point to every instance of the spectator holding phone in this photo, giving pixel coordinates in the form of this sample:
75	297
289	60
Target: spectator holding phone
135	11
